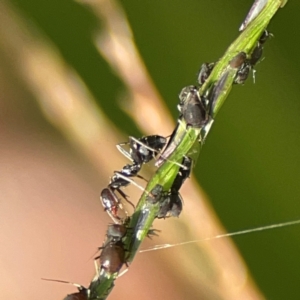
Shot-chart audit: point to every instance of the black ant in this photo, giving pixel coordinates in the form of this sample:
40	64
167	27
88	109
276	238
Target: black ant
141	151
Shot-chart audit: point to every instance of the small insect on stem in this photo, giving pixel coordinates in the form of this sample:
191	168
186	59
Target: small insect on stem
249	63
192	108
171	201
221	85
193	113
112	256
115	233
258	50
204	73
170	205
238	60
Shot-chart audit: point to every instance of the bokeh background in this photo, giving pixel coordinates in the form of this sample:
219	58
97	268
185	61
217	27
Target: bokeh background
51	219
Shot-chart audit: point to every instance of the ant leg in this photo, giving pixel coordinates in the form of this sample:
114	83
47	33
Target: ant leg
115	219
123	151
133	182
79	286
111	203
137	141
205	130
153	232
141	177
123	272
174	162
125	197
96	267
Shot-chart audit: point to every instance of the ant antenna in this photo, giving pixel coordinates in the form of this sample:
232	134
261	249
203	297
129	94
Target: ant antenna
79	286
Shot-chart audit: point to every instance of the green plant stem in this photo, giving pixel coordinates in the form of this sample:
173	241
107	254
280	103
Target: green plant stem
164	176
245	42
188	141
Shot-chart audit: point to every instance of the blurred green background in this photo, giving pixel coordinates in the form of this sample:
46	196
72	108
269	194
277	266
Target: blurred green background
250	165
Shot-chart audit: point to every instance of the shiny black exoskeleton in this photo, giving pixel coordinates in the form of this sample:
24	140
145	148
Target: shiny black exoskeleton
144	149
111	204
108	196
183	173
118	180
149	147
171	202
